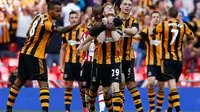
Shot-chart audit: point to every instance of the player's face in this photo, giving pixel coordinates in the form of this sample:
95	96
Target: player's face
126	6
156	17
109	10
56	12
73	18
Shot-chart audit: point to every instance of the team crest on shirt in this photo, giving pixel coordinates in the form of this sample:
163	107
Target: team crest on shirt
149	73
65	75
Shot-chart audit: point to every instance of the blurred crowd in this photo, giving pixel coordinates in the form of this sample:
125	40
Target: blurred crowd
16	16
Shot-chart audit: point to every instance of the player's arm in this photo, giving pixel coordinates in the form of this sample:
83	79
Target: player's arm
140	35
188	32
137	36
88	39
115	35
86	46
61	29
62	53
133	30
49	26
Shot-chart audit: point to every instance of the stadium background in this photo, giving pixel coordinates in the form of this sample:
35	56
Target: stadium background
13	12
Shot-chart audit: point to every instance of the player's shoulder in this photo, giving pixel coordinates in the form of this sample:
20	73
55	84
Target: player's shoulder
132	18
145	30
42	16
46	17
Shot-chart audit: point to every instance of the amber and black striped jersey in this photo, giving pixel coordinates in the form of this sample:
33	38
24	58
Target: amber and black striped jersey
108	52
126	43
4	34
152	47
172	32
72	39
38	36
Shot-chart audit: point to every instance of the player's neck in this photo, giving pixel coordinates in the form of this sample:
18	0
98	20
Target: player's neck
171	18
50	16
124	16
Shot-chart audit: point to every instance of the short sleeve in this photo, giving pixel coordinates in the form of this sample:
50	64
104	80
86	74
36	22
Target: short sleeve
188	32
49	26
135	23
143	34
64	39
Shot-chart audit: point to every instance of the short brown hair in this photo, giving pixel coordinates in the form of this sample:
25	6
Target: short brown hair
173	12
155	12
107	3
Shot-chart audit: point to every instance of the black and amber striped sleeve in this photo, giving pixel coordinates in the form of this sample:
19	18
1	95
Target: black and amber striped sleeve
188	32
159	28
49	26
135	23
64	40
143	34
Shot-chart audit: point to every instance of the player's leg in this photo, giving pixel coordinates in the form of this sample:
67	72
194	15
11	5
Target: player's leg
93	88
108	98
101	99
160	96
122	86
38	71
170	104
69	79
161	83
174	95
116	80
151	92
172	69
14	90
44	95
92	96
151	72
85	82
130	83
76	71
103	73
23	74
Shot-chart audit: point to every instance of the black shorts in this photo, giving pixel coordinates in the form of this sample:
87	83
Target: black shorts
171	69
86	74
108	73
128	70
155	71
32	68
72	71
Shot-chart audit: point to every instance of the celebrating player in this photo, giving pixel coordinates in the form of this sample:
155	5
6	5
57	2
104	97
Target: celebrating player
153	63
32	64
172	31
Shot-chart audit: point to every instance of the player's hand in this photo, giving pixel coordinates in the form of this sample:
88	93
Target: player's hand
110	20
152	23
80	47
105	21
61	68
